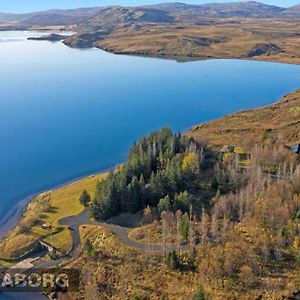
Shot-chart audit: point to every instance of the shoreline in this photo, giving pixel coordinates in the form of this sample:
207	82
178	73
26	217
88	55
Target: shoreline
177	58
12	218
14	215
187	58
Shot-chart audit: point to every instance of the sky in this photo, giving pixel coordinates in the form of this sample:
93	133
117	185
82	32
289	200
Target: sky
18	6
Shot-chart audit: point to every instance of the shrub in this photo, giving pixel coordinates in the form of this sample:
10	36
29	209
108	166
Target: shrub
173	261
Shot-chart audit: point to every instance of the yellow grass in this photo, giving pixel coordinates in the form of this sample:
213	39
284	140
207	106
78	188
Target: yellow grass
64	202
273	124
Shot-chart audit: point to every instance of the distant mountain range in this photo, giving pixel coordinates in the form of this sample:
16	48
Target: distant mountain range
51	17
110	17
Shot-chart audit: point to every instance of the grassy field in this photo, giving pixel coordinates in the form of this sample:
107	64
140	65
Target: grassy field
61	203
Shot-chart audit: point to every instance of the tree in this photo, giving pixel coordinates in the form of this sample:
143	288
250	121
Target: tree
191	163
247	276
182	201
178	215
147	214
107	199
184	227
85	198
214	226
204	226
134	195
192	259
164	204
142	191
164	229
88	248
173	261
200	294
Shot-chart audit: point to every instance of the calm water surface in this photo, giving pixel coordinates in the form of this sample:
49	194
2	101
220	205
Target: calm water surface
66	112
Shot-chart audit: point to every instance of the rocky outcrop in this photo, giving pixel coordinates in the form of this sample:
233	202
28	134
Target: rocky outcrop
53	37
264	49
85	40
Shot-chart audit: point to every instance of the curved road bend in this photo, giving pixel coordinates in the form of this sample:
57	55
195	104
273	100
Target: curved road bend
74	222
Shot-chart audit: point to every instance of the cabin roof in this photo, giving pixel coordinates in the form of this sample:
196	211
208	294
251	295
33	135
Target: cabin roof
227	148
296	148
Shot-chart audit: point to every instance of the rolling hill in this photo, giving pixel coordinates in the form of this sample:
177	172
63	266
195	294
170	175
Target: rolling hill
160	13
50	17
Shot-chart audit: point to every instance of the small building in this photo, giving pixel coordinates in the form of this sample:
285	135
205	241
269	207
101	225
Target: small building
227	149
240	154
46	226
295	148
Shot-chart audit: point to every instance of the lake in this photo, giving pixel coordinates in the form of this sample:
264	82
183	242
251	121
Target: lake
66	113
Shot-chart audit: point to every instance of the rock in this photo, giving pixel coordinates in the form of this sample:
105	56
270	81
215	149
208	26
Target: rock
264	49
53	37
84	40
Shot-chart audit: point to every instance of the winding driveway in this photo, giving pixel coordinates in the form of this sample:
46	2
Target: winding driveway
74	222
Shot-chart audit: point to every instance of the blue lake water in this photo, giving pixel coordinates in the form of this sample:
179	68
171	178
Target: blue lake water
65	113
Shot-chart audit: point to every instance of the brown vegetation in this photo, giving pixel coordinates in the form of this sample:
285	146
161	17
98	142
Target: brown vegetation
275	124
275	40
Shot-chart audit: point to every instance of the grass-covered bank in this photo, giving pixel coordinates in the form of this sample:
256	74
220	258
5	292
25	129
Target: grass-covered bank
48	208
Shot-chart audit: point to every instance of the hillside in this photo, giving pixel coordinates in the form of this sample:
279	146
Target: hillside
233	30
250	30
263	40
241	241
275	124
123	17
49	17
291	12
167	12
118	17
248	9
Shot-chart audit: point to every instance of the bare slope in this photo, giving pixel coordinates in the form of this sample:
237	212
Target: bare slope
278	123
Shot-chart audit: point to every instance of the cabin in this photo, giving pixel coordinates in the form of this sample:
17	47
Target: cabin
242	157
227	149
46	226
295	148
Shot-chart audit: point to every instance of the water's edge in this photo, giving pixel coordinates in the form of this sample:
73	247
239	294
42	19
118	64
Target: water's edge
11	216
15	214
